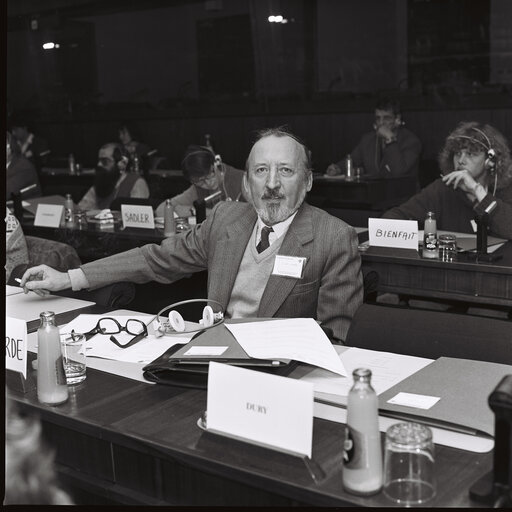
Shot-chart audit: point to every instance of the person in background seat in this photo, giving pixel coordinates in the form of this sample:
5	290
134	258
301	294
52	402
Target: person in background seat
20	173
207	175
390	150
476	178
32	146
112	180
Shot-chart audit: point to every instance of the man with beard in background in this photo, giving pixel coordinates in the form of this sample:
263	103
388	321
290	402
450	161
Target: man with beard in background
111	180
239	243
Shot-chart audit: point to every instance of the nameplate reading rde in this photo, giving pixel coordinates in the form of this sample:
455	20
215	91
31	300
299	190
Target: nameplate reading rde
16	345
393	233
263	409
137	216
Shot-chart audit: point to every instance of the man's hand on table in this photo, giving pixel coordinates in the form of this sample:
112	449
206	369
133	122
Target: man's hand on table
43	280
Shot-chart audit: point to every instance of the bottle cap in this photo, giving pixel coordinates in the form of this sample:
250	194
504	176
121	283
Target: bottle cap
361	373
46	315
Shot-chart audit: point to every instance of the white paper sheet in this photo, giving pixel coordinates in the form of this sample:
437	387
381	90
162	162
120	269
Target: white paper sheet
387	370
299	339
12	290
144	351
414	400
29	306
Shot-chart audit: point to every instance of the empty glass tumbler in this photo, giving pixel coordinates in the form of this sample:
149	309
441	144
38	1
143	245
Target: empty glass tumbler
447	247
409	477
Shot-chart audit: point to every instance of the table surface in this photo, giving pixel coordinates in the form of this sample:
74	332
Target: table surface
139	443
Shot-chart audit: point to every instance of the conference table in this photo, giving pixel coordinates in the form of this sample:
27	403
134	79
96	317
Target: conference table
162	183
363	192
126	442
468	280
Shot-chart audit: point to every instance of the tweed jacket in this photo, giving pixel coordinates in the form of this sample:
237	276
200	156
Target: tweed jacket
330	290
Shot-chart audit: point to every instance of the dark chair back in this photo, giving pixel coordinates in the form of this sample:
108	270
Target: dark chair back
431	334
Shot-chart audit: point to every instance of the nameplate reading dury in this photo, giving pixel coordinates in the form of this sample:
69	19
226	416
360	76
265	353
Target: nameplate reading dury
393	233
49	215
137	216
263	409
16	345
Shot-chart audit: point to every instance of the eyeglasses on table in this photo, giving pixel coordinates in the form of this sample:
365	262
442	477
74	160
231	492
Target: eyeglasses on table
111	326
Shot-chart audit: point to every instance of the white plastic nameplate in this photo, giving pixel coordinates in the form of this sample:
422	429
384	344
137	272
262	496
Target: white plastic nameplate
49	215
16	345
137	216
289	266
393	233
262	409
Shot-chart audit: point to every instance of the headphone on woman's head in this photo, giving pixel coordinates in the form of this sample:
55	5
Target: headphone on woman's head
490	161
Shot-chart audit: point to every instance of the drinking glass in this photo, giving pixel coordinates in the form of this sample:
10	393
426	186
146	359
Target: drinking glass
409	477
73	356
447	247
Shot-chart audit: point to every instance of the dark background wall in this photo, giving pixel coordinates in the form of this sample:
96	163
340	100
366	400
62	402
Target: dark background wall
177	70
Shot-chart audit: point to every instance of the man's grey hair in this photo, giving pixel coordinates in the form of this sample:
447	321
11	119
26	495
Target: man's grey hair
283	131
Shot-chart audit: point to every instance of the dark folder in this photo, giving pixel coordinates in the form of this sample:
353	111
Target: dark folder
177	367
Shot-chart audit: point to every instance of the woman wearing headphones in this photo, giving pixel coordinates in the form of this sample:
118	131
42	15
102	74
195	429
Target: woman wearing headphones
476	180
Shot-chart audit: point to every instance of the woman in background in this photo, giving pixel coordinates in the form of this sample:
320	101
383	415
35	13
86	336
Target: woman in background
476	180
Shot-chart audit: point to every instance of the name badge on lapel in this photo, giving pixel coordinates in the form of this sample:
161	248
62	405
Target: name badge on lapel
289	266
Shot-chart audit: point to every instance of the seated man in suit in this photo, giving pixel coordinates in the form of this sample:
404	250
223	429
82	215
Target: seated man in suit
389	150
207	175
112	180
21	175
238	244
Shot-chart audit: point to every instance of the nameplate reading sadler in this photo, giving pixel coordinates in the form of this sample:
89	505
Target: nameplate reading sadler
393	233
16	345
137	216
262	409
49	215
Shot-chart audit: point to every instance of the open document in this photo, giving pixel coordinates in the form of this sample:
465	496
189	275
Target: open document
298	339
387	369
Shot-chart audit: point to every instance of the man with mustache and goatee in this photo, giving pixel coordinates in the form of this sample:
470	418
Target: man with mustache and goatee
111	180
243	246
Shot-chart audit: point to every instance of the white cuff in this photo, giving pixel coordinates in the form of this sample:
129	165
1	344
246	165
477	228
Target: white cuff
78	279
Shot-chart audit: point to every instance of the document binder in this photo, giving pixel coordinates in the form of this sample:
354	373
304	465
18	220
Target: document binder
464	387
176	367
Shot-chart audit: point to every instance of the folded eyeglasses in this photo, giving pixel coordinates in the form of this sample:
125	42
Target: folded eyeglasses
111	326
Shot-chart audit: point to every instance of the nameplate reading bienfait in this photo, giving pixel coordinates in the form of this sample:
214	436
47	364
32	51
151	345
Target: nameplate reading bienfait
16	345
49	215
137	216
263	409
393	233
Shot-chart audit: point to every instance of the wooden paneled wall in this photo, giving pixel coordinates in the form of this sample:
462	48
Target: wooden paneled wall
330	136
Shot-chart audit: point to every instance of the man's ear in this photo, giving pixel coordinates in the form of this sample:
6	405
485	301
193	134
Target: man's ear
309	183
245	187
